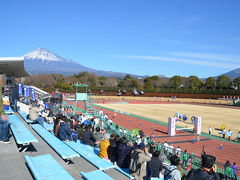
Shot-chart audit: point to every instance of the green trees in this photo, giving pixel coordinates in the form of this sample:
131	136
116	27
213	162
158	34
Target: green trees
192	85
102	80
175	81
128	81
194	82
210	83
236	82
148	84
223	82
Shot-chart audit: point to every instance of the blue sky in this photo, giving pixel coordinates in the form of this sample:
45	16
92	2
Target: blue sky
145	37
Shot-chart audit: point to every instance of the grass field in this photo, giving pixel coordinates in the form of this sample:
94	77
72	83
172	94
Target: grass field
211	116
180	100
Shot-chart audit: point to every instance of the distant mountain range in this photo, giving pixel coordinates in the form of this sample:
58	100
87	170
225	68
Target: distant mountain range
43	61
233	74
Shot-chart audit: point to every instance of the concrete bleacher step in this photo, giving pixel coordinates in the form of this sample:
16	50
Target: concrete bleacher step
45	167
12	165
98	174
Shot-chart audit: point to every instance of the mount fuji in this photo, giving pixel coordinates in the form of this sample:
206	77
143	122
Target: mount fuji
43	61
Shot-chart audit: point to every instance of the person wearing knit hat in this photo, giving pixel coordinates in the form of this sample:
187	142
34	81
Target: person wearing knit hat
103	153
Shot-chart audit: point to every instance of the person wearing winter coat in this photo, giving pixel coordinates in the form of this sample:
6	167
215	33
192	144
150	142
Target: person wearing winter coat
88	137
63	133
172	172
207	170
155	164
123	152
112	149
103	153
144	157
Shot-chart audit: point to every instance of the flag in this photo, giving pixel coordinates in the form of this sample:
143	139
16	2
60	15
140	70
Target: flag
135	132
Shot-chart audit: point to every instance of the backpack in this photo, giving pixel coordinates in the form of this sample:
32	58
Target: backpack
166	173
134	164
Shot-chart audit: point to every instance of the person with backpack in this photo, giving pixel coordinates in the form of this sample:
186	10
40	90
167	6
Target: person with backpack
123	151
172	172
207	170
138	162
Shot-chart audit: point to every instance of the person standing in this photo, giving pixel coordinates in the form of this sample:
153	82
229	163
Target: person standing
229	135
185	159
198	138
170	150
13	97
143	157
165	147
224	133
178	151
209	130
155	165
234	167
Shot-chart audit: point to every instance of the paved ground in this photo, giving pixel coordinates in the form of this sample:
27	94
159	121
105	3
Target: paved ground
12	163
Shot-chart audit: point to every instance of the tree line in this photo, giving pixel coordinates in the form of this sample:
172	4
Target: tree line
192	84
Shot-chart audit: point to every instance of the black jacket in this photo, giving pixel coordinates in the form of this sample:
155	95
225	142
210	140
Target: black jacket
156	165
112	150
200	174
123	154
88	138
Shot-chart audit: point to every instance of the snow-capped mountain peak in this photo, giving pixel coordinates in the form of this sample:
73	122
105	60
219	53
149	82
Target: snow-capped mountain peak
44	55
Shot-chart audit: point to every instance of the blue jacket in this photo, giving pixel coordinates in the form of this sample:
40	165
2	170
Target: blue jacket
123	154
64	132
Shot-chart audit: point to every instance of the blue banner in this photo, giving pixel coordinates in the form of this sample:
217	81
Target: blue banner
28	91
25	91
33	94
19	88
46	106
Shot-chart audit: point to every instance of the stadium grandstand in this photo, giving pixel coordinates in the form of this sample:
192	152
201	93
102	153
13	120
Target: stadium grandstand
62	140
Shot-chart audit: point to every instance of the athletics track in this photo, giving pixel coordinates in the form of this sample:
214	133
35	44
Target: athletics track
229	152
